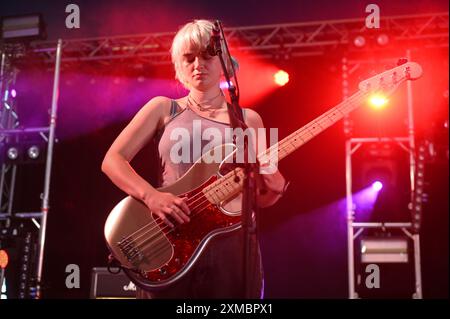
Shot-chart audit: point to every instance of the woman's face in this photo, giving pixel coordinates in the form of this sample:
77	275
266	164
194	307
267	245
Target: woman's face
200	70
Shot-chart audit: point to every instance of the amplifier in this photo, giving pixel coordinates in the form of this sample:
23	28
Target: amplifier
105	285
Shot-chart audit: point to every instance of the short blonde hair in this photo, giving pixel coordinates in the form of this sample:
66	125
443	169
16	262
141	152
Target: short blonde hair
195	35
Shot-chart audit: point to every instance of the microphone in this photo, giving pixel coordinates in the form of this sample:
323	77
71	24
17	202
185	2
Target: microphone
214	48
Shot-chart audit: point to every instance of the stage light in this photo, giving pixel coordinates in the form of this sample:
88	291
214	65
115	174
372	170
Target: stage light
12	153
377	186
378	101
33	152
382	39
24	152
3	259
384	250
281	77
223	85
25	27
13	93
359	41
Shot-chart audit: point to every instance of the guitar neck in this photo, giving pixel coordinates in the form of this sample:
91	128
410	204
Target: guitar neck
231	183
295	140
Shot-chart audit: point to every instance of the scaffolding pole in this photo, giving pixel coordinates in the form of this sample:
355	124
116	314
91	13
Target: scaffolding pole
48	168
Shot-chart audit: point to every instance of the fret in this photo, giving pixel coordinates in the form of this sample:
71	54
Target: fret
294	140
332	119
215	190
226	185
327	121
315	128
307	135
282	153
290	143
287	147
211	196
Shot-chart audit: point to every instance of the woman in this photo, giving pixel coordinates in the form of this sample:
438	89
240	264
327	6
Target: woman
217	273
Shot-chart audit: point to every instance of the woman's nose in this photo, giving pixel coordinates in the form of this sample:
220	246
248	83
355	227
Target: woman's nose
198	63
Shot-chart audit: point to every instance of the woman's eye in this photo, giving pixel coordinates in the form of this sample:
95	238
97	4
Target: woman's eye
206	56
189	58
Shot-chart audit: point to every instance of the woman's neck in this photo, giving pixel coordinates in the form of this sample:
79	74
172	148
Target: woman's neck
207	98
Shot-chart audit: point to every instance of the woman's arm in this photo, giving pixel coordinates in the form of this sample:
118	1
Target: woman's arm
116	164
275	183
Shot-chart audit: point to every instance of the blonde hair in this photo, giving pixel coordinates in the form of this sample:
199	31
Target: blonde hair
196	36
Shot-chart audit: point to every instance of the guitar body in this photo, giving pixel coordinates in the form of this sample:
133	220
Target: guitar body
156	254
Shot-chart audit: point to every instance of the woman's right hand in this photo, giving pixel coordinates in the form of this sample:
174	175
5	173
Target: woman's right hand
166	204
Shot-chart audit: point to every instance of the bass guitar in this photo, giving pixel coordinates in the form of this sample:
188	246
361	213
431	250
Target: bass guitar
155	255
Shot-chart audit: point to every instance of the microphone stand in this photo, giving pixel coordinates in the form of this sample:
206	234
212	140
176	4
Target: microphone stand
251	170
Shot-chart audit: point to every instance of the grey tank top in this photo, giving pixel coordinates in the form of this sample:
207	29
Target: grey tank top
182	141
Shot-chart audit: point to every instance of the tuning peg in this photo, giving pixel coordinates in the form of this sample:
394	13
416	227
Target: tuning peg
402	61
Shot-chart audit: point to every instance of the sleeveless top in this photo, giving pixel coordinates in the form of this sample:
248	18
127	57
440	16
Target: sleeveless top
182	133
218	272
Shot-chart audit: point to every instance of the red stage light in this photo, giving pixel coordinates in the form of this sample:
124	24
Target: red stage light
378	101
3	259
281	77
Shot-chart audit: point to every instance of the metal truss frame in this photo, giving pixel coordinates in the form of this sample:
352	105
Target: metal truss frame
354	228
8	120
10	131
290	39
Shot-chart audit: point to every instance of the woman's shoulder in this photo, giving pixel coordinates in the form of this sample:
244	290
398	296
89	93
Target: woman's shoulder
158	105
165	103
159	101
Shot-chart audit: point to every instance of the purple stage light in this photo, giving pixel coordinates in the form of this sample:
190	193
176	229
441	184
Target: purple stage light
13	93
223	85
377	186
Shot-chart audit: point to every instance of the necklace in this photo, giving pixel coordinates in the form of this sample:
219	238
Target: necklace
201	107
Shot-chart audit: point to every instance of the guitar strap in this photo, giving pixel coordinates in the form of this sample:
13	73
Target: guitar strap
173	108
240	110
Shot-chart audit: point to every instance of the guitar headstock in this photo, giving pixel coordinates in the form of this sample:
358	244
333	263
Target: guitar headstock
389	80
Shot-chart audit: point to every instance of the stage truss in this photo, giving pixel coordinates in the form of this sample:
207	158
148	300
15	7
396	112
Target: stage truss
293	39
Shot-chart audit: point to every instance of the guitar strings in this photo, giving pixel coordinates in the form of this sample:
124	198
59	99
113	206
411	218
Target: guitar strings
155	224
160	235
148	224
152	223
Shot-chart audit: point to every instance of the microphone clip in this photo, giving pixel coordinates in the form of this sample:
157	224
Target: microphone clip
214	48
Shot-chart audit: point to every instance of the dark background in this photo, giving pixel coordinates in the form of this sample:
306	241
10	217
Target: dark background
303	237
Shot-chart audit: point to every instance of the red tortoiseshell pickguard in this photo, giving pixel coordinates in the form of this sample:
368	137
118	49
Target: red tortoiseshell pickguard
187	237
